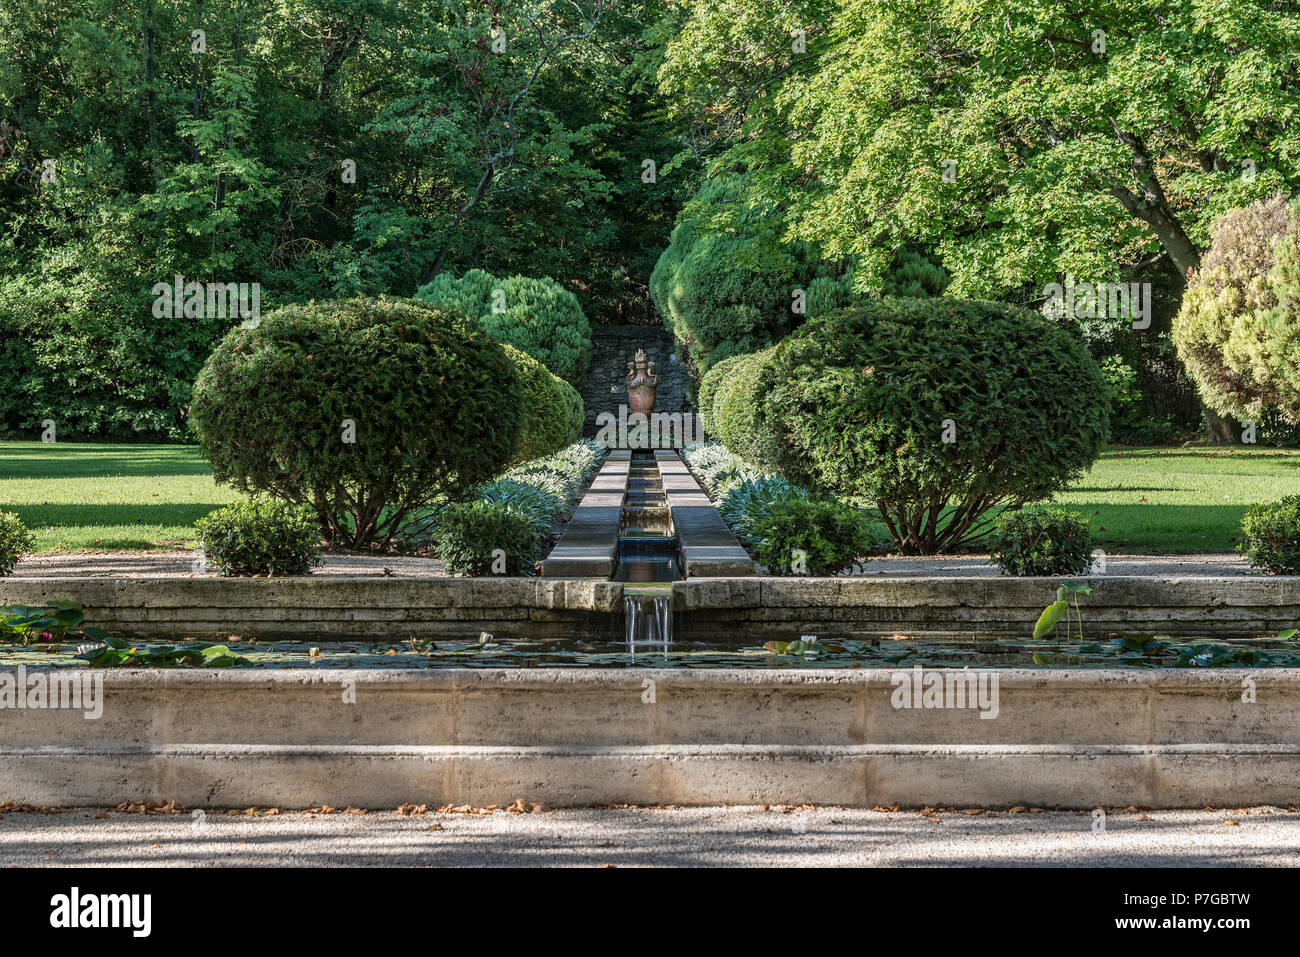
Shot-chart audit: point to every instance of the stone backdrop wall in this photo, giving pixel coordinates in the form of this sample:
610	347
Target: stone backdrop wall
612	349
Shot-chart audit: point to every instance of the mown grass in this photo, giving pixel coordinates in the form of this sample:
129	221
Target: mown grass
140	497
114	497
1168	500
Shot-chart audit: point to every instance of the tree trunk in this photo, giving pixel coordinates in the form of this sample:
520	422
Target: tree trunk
1221	429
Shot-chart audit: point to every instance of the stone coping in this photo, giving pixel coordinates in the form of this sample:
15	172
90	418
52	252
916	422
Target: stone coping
748	610
382	737
708	547
589	546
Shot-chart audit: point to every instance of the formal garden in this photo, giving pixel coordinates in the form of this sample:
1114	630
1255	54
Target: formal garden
964	337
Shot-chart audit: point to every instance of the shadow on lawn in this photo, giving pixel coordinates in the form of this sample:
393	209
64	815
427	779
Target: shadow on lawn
1158	527
79	516
58	460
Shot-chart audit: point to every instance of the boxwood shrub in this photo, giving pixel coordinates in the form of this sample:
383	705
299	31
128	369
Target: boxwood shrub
537	316
470	532
736	401
435	403
15	539
859	403
261	537
1041	540
1270	535
831	536
548	401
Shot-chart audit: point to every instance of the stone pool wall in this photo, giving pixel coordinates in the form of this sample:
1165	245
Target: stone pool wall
736	610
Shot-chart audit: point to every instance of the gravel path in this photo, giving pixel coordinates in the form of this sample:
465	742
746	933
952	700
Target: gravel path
172	564
748	837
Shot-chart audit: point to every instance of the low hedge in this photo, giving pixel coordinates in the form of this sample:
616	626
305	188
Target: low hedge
1041	540
262	537
1270	535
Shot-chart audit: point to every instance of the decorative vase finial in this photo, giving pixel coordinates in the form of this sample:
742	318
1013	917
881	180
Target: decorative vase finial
642	383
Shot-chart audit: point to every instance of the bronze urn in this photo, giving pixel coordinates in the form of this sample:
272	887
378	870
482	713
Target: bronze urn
642	384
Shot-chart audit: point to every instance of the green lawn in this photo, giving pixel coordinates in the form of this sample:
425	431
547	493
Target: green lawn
75	495
1179	500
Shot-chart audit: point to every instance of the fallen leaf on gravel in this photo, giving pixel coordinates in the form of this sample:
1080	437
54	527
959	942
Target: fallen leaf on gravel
1144	817
885	809
1018	809
973	810
1231	824
934	819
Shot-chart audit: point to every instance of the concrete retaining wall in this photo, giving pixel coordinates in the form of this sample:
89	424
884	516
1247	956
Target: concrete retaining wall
731	610
288	739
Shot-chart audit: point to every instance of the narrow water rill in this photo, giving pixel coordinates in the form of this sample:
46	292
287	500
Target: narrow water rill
647	557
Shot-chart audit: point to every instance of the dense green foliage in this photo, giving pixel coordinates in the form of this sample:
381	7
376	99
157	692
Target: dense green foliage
322	148
482	537
261	537
743	502
15	539
781	525
537	316
735	401
727	283
1041	540
529	497
547	404
1071	151
935	410
1270	535
363	409
804	536
1239	327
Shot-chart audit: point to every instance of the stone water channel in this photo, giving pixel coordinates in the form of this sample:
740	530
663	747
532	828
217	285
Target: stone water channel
648	559
646	523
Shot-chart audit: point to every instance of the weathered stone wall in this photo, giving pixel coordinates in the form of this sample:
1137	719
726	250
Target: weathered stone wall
612	349
735	610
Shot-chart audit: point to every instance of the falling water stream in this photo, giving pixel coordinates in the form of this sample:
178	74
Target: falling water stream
647	558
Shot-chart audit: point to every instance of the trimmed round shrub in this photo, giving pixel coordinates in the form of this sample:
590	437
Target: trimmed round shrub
707	394
261	537
537	316
469	532
725	284
15	539
1041	540
577	414
737	407
1236	328
831	536
365	409
1270	535
859	403
547	423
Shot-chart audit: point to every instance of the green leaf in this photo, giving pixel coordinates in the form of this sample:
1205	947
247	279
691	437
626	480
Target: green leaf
1048	619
